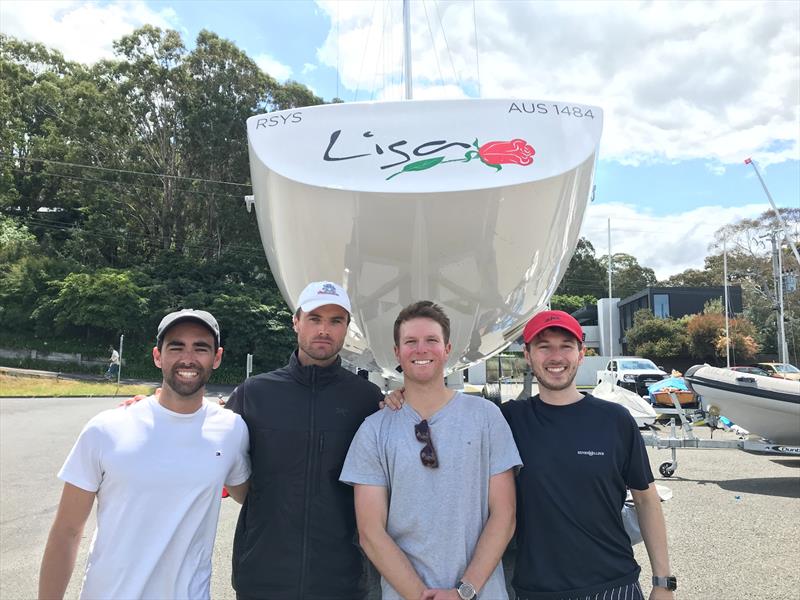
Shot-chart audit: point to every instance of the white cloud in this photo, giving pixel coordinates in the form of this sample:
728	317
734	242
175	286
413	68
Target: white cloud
677	80
309	68
273	67
668	244
82	31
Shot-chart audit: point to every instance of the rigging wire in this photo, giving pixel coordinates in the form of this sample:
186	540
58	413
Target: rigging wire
378	56
447	45
366	51
338	48
477	60
433	42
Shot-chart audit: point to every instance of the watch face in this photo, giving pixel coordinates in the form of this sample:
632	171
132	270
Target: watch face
672	583
466	591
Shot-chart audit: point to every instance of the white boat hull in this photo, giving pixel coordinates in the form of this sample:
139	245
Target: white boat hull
640	409
766	406
490	245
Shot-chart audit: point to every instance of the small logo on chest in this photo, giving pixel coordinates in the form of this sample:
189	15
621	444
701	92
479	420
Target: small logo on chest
342	411
218	453
591	453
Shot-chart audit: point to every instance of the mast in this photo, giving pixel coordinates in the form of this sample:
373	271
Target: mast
610	323
407	48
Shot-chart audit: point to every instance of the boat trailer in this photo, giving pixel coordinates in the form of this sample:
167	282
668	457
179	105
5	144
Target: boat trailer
688	438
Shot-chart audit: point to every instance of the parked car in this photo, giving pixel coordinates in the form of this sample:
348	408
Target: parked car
780	370
633	373
751	370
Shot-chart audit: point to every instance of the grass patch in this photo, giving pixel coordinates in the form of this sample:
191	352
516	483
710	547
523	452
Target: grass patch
36	386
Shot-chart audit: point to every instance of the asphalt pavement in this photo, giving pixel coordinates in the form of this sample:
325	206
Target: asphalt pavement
733	522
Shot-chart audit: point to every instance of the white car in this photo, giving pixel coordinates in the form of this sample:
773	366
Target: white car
633	373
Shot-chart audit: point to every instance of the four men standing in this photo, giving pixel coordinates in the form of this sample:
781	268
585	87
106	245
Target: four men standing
434	496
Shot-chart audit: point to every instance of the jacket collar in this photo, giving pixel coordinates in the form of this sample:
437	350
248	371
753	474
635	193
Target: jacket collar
313	374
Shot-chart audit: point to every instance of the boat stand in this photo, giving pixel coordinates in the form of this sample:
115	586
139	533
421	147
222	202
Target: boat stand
688	439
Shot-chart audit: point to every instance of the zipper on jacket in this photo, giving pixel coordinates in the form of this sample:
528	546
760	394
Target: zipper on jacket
312	459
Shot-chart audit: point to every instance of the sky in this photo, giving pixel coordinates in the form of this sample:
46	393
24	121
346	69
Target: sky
689	89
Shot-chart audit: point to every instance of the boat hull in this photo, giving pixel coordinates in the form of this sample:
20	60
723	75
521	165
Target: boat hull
639	408
488	242
765	406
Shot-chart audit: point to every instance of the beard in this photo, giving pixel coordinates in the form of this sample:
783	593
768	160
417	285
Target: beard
187	388
544	378
323	353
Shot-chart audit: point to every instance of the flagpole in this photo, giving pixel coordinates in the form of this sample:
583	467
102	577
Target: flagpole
725	287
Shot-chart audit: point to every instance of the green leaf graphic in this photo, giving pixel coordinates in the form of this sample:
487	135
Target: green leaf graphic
419	165
496	167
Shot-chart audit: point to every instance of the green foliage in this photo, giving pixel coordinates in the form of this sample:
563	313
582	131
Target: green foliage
627	275
15	240
569	303
655	337
585	275
107	302
87	254
714	307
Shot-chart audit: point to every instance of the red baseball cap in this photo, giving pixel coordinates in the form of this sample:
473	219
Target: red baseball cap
552	318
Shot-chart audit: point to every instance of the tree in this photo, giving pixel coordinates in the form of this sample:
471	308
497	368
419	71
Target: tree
743	345
656	337
693	278
749	249
108	302
627	275
571	303
585	275
707	339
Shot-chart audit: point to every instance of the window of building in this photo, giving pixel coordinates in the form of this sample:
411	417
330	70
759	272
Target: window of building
661	305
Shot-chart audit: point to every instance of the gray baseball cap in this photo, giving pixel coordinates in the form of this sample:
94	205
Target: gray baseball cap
188	314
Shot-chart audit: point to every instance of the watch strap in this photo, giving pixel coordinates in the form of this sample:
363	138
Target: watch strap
669	582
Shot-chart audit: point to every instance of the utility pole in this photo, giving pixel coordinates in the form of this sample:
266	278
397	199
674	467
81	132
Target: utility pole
777	274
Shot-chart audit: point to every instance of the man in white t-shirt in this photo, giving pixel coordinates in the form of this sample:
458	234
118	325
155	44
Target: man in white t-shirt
157	469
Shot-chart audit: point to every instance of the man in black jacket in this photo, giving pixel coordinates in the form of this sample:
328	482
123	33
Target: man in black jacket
295	539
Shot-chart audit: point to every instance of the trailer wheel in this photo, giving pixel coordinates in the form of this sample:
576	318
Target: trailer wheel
491	391
666	469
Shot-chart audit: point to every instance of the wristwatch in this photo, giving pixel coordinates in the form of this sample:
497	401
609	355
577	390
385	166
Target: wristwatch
466	591
670	582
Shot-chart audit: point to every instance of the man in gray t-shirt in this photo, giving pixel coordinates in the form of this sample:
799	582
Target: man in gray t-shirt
434	484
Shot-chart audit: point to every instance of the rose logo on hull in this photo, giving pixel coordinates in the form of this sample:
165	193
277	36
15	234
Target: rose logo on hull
492	154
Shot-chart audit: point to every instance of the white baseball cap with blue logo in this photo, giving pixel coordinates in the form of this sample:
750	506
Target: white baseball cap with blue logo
320	293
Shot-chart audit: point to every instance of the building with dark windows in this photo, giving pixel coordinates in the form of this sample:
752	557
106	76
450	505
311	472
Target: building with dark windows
675	302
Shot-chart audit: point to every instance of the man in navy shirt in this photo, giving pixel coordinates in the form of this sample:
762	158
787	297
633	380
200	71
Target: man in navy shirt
580	454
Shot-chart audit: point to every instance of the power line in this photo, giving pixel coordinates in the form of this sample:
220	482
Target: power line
152	239
121	184
126	171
